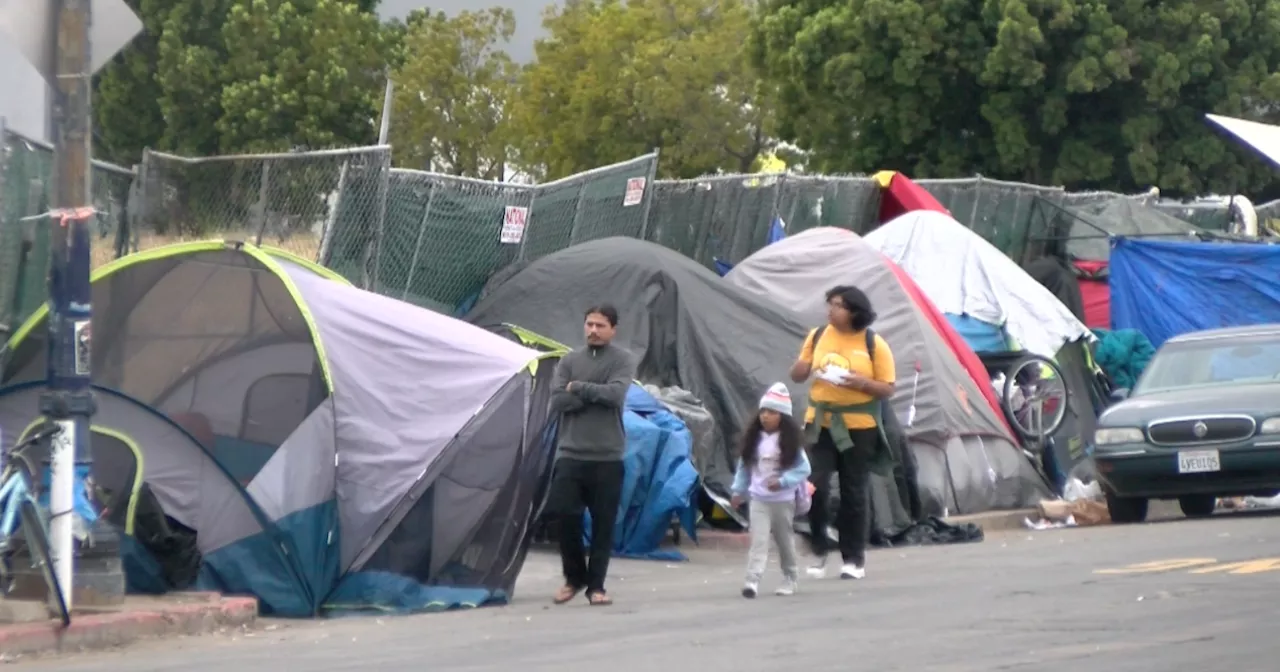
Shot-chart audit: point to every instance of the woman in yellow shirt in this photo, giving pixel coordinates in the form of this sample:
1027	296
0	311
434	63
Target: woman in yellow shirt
854	376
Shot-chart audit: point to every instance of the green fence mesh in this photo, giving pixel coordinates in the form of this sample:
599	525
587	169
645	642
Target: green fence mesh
444	236
291	201
435	240
26	183
727	217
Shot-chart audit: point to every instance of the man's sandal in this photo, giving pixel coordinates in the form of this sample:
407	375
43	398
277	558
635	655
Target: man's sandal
599	599
565	594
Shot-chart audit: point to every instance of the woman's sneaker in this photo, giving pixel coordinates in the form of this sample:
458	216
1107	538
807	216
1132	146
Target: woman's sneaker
787	588
750	589
817	570
852	571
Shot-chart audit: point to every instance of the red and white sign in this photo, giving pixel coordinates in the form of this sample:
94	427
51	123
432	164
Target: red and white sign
635	192
513	224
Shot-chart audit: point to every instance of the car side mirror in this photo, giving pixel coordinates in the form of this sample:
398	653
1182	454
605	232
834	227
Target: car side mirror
1120	394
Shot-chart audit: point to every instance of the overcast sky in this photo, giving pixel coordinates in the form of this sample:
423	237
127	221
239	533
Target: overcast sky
528	17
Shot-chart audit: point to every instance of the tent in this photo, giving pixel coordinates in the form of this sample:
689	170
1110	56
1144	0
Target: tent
1164	288
659	476
329	448
967	459
900	195
969	280
999	308
684	324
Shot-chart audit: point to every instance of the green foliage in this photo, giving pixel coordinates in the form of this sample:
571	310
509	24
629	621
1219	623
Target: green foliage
1083	93
304	74
452	90
215	76
616	79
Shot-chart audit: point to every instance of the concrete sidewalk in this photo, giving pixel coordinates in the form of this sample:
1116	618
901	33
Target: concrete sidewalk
722	540
138	618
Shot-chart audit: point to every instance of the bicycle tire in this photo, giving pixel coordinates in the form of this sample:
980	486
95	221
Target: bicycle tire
1011	382
37	538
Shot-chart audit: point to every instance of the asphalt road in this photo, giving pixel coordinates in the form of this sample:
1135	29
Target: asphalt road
1062	600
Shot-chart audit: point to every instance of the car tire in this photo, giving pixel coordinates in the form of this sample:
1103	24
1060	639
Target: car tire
1126	509
1197	506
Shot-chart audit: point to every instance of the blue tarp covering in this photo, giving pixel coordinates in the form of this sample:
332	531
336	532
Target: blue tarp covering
1164	288
659	482
981	336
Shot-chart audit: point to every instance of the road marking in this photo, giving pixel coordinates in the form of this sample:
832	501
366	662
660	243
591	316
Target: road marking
1158	566
1247	567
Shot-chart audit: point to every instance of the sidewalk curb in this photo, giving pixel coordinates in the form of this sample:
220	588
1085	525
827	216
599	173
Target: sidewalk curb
101	631
724	540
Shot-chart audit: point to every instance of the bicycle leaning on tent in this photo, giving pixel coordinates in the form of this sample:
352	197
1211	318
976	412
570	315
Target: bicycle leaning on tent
23	524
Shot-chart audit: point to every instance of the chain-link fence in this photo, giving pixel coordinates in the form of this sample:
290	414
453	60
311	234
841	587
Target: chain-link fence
727	217
289	200
26	184
445	236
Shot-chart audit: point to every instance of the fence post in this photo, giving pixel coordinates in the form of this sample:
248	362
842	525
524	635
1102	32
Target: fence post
263	190
417	246
649	189
977	197
326	237
528	225
384	187
577	212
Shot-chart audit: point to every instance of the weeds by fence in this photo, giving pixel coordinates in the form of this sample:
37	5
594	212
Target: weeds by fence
435	240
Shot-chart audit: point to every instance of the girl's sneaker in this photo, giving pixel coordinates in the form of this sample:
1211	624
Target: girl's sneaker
818	570
788	588
750	589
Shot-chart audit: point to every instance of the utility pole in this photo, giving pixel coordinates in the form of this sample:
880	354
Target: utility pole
69	400
67	41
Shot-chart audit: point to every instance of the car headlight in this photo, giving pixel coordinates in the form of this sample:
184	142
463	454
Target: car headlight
1104	436
1270	426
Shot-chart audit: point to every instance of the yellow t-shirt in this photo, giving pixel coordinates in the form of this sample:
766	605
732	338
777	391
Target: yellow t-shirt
849	351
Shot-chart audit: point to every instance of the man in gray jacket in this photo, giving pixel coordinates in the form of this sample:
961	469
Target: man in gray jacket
589	391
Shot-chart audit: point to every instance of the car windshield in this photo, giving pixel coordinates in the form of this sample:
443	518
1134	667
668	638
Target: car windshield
1226	360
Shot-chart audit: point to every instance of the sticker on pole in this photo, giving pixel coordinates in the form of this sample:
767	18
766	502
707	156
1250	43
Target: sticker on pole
83	335
635	192
513	222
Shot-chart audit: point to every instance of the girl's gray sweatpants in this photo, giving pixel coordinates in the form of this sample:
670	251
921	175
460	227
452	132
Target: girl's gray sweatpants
772	521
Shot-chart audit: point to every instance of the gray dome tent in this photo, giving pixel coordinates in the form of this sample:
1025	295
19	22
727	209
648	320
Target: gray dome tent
328	447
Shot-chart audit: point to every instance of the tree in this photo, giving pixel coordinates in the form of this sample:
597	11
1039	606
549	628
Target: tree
615	79
1081	93
300	74
168	89
452	93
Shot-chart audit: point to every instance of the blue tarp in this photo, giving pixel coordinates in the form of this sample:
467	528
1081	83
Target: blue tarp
981	336
1164	288
659	482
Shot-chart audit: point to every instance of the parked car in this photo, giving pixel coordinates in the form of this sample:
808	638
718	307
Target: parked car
1202	422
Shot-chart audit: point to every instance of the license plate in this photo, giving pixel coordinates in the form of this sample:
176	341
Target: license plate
1198	461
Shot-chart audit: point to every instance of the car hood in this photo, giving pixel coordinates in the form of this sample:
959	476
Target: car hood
1259	400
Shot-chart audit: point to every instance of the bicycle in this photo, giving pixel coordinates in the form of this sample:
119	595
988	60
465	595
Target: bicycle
22	521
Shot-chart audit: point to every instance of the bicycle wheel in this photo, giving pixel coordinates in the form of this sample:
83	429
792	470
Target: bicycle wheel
37	538
1035	397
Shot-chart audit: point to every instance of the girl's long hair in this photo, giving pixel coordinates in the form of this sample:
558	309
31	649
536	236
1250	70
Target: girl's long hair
790	441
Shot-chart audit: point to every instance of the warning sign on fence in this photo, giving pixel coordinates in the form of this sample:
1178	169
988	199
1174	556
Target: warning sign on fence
513	224
635	192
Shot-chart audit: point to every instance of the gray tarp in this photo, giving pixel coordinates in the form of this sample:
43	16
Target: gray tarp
1119	217
968	461
686	326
